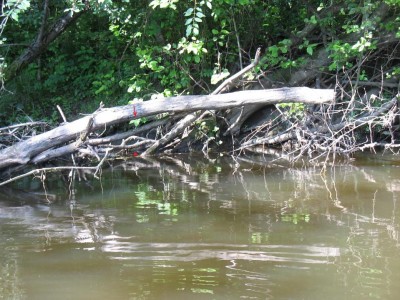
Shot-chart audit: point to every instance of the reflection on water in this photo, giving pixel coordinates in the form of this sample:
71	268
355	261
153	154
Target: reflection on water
181	227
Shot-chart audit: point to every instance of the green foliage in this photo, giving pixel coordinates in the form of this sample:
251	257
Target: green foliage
293	110
218	76
309	47
195	16
140	120
77	71
164	4
395	72
393	2
207	128
13	8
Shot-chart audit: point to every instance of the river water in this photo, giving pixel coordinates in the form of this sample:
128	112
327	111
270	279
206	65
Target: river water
187	227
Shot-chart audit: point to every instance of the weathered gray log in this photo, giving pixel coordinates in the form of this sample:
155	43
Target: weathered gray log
73	147
22	152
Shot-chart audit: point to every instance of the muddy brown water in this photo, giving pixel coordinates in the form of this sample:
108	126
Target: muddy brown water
185	227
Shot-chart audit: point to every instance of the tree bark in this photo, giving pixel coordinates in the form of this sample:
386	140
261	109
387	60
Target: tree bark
22	152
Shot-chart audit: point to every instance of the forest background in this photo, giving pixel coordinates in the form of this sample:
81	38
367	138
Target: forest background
115	51
79	55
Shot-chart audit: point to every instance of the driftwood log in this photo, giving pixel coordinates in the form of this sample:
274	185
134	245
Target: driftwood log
26	151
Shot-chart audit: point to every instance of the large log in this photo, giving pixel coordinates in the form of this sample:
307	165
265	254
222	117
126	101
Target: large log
22	152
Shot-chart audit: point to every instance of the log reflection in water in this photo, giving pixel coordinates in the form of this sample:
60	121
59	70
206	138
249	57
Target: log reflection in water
183	209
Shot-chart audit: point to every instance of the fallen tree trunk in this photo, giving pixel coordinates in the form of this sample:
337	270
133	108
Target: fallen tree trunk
22	152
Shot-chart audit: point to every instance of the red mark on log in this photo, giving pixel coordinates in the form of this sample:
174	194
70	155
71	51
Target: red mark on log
135	154
134	111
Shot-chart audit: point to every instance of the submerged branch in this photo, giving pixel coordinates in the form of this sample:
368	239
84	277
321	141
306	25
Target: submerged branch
38	171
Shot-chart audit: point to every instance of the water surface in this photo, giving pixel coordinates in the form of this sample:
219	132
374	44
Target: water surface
187	227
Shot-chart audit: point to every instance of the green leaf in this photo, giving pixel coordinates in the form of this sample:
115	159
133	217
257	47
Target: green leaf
14	16
188	12
24	5
313	20
164	4
215	78
153	65
274	51
189	30
135	122
310	50
199	14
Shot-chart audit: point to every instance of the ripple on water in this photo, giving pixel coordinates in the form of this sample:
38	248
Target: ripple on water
122	249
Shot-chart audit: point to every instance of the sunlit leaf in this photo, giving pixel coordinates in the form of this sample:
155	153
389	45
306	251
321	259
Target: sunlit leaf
215	78
189	30
310	50
189	12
